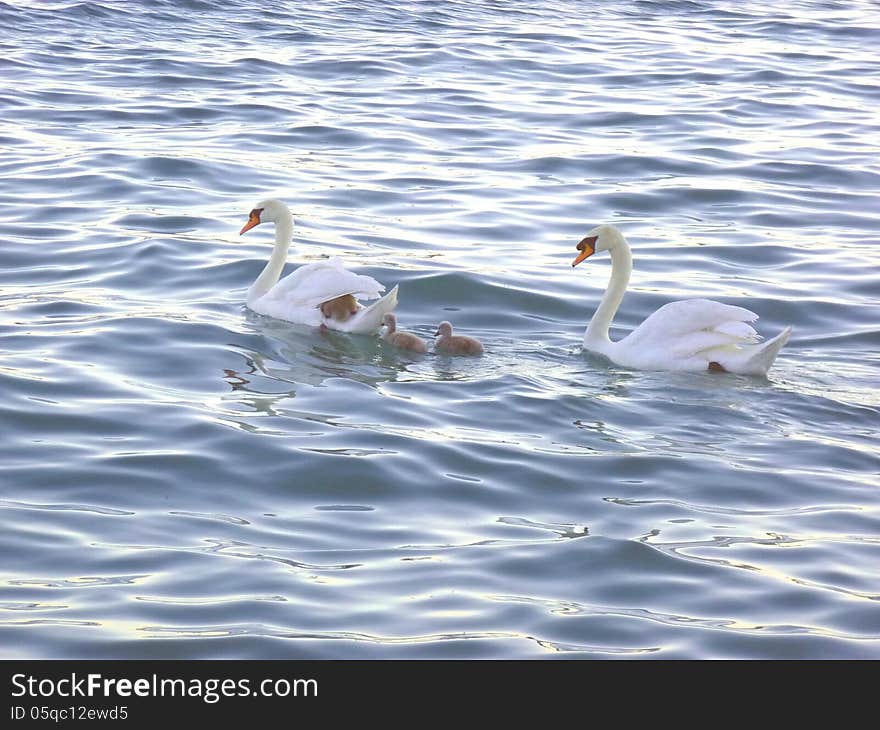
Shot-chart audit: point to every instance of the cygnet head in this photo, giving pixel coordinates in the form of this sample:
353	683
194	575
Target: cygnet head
601	238
390	321
266	211
340	308
444	329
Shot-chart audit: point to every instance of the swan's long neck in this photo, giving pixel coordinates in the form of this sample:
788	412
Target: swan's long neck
272	271
621	268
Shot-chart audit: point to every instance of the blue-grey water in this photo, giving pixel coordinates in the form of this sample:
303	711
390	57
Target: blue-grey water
184	478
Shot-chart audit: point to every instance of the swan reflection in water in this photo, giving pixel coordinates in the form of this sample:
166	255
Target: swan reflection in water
301	355
294	355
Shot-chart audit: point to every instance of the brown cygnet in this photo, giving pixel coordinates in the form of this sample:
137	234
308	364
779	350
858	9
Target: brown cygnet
341	309
449	344
403	340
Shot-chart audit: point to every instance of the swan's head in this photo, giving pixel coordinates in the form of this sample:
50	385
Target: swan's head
601	238
444	329
266	211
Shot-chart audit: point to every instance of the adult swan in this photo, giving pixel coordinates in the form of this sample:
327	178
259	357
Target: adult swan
692	335
298	297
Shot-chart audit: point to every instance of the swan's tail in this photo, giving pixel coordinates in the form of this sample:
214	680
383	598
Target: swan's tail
368	321
759	358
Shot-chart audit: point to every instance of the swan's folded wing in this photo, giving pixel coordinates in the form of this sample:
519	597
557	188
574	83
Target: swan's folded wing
693	343
740	330
690	326
313	284
677	318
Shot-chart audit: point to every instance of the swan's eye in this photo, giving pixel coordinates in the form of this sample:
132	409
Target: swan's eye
588	241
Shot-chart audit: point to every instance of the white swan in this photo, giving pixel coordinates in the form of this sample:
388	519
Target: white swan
298	297
692	335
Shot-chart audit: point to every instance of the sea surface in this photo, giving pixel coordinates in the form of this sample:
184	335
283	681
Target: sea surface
184	478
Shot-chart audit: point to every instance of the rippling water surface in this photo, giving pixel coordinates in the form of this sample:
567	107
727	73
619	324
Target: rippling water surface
184	478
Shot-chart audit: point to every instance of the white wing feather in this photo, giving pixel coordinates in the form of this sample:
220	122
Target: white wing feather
313	284
739	330
682	329
298	296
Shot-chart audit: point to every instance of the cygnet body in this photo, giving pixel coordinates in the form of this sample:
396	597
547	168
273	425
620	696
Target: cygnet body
403	340
450	344
340	308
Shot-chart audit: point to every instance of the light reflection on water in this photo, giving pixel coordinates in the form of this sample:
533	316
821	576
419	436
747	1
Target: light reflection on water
183	477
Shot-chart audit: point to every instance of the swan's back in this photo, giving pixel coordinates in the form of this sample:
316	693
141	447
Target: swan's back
689	315
313	284
690	323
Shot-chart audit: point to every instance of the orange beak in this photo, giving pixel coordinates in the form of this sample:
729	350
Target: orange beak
587	248
253	220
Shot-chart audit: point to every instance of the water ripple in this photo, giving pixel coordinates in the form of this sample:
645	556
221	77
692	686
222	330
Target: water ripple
184	478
